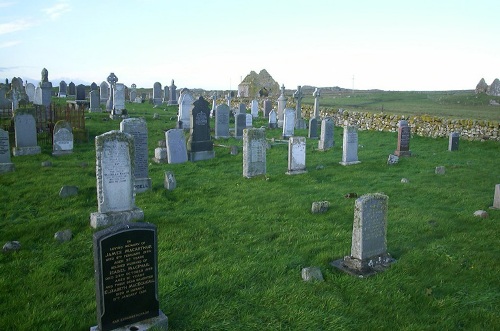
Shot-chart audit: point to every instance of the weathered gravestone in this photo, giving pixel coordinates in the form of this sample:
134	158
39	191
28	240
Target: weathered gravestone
63	89
369	244
161	152
240	122
249	121
313	128
71	88
46	88
403	148
173	94
296	156
496	198
185	109
453	141
242	109
288	123
5	164
350	146
30	92
166	94
268	106
254	108
176	146
112	80
126	278
326	138
118	99
62	142
169	183
299	121
254	152
104	92
94	87
25	134
80	93
316	95
157	94
95	102
133	93
222	121
273	120
200	145
115	180
281	106
137	127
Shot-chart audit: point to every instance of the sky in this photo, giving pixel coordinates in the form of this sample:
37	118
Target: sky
212	44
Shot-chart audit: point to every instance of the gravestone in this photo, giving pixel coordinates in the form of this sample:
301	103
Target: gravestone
5	164
118	99
115	180
104	92
316	95
112	80
242	109
46	88
185	109
157	94
254	108
299	122
326	140
133	93
62	141
222	121
350	146
369	244
173	94
200	145
71	89
288	123
403	148
126	278
137	127
176	146
254	152
268	106
453	141
63	89
166	94
25	134
214	104
30	92
93	86
80	92
296	156
161	154
248	121
95	101
37	98
313	128
240	122
273	120
281	106
496	198
169	182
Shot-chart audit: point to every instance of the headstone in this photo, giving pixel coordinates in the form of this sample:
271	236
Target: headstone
403	148
5	164
273	120
25	134
95	101
112	80
137	127
115	180
63	236
222	121
200	145
176	146
133	93
440	170
63	89
316	95
185	109
288	123
496	198
93	86
166	94
350	146
4	102
299	122
249	121
311	274
281	106
242	109
104	92
254	108
126	278
161	155
453	141
173	94
170	183
157	94
118	98
296	156
268	106
254	152
62	141
46	87
313	128
326	140
214	104
319	207
30	92
71	89
68	191
240	122
392	159
369	244
37	99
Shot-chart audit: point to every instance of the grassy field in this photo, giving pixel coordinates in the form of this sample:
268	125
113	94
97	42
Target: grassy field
231	249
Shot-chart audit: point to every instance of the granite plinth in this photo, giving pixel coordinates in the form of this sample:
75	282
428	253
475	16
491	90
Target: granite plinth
100	220
156	323
200	156
366	267
6	167
30	150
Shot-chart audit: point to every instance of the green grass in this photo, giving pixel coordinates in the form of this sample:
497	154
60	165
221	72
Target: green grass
231	249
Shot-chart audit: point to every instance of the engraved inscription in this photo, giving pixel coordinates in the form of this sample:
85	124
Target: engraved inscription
257	153
116	175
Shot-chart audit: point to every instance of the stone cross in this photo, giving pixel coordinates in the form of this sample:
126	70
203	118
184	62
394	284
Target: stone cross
112	79
298	95
282	89
316	95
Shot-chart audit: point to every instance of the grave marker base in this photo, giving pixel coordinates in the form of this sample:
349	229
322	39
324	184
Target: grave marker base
156	323
364	268
295	172
200	156
402	153
31	150
349	163
99	220
6	167
59	153
142	185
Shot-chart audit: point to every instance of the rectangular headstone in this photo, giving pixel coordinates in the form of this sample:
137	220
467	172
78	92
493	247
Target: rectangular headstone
254	108
273	120
453	141
126	277
95	101
249	121
119	97
326	138
350	146
80	92
313	128
296	155
5	164
254	152
240	123
288	123
62	141
104	91
185	109
222	121
25	135
200	145
176	146
268	106
404	132
496	199
157	93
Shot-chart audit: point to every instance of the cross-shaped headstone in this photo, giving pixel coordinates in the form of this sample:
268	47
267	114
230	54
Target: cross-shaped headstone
316	95
298	95
112	79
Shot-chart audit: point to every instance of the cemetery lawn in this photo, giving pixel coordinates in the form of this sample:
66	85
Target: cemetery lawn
231	249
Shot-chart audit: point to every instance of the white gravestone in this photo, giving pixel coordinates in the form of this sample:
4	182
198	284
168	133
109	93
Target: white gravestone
5	164
115	180
273	119
288	123
254	152
176	146
350	146
326	140
30	91
62	142
185	108
119	98
25	135
249	121
254	108
296	156
496	199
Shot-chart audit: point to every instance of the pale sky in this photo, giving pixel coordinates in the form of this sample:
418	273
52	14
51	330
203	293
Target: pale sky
213	44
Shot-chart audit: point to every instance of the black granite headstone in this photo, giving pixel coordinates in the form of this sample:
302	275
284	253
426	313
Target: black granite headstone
126	274
80	92
71	88
200	145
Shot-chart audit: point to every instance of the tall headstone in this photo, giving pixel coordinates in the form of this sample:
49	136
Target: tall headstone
166	94
63	89
249	121
37	99
242	108
288	123
326	139
5	164
185	109
95	101
133	93
268	106
313	128
157	94
254	152
176	146
214	104
350	146
71	89
240	123
254	108
296	155
46	87
222	121
93	86
403	148
115	180
273	119
453	141
316	95
200	145
62	141
112	80
126	278
25	134
369	244
30	92
138	128
118	99
104	92
281	106
299	122
80	92
496	198
173	94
